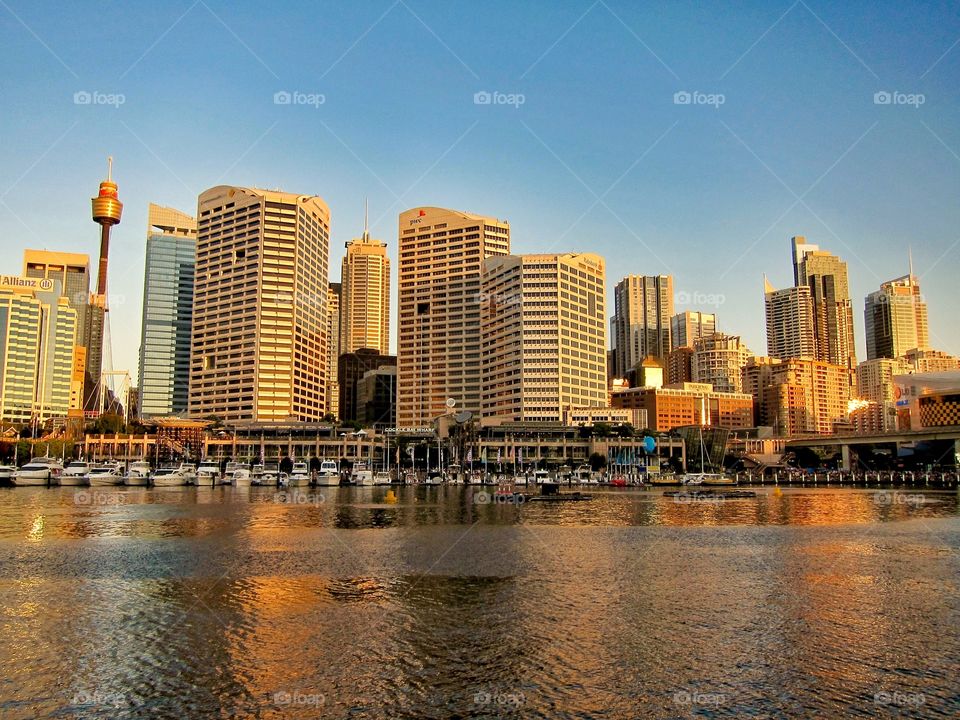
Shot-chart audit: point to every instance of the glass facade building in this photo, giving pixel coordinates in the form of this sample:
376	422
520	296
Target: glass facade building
167	312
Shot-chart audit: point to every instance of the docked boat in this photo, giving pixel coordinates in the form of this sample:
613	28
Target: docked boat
6	474
174	475
299	475
39	471
138	473
329	473
382	478
242	477
434	479
362	474
105	474
256	474
541	476
208	473
75	473
271	474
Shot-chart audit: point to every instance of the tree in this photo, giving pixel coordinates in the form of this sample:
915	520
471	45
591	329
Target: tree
597	462
602	429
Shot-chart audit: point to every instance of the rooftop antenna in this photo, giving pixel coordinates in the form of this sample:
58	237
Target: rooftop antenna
910	258
366	226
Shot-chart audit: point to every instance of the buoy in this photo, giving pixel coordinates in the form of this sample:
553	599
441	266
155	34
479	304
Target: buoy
391	497
777	491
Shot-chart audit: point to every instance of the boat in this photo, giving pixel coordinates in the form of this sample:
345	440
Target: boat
138	473
702	477
299	475
520	480
540	477
434	479
242	477
382	478
105	474
174	475
362	474
410	478
329	473
208	473
75	473
550	492
256	474
271	474
6	474
39	471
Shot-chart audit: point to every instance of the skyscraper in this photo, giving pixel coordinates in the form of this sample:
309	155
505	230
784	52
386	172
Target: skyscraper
826	276
168	282
719	359
640	326
895	318
543	324
365	295
259	343
334	343
687	327
790	325
441	252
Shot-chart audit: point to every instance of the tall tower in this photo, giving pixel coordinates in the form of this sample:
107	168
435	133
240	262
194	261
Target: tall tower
895	317
640	326
441	256
107	210
365	295
789	322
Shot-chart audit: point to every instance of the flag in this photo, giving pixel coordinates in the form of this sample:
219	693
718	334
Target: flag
422	213
470	455
498	454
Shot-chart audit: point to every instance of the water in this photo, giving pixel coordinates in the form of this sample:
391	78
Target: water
194	603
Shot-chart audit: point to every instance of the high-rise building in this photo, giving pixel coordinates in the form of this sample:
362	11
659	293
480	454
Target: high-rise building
38	350
377	397
543	327
351	367
640	326
875	385
680	365
789	322
719	359
167	322
927	360
441	252
259	344
688	327
826	276
365	295
334	343
895	318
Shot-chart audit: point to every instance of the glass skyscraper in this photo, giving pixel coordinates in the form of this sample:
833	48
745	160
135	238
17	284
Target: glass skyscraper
167	312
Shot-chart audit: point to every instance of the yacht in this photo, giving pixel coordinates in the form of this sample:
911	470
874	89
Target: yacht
39	471
174	476
581	475
271	474
541	476
105	474
329	473
241	477
75	473
138	474
362	474
208	473
6	474
256	474
299	475
382	478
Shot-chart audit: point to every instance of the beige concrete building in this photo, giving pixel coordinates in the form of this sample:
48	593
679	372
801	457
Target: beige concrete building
688	327
334	343
876	389
719	359
790	326
438	353
688	404
259	344
895	318
927	360
365	296
584	416
640	326
799	396
543	328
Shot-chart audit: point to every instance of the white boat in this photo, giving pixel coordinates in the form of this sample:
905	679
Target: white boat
138	473
228	472
581	476
299	475
520	480
362	474
382	478
256	474
105	474
242	477
6	473
541	476
329	473
208	473
39	471
174	476
75	473
271	474
434	478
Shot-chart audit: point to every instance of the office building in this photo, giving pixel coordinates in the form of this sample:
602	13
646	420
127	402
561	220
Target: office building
441	253
351	367
377	397
543	328
927	360
259	343
167	320
719	359
334	343
365	296
680	365
688	327
688	404
790	326
875	385
640	326
895	318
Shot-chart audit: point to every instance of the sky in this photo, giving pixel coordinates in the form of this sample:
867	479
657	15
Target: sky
686	138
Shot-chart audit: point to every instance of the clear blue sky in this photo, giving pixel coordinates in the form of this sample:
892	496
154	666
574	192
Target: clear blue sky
598	157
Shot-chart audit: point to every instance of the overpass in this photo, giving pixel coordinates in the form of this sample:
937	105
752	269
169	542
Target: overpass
940	445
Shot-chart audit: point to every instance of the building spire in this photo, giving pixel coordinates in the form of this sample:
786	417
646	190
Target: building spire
366	226
910	261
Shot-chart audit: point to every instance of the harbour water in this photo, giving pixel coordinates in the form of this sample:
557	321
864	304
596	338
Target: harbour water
437	602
